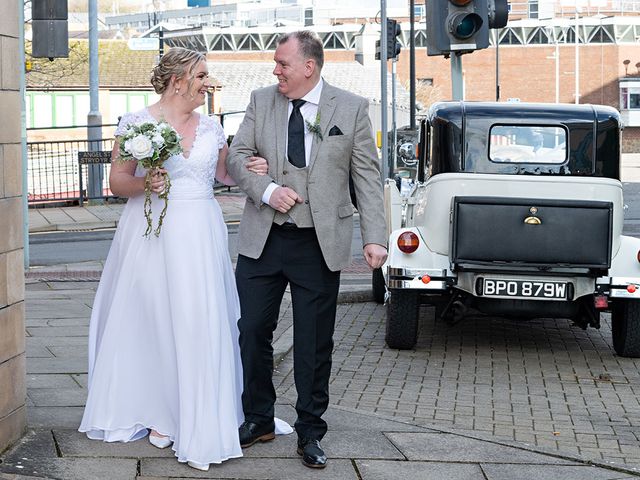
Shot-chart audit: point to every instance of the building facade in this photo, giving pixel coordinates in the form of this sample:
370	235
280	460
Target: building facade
12	334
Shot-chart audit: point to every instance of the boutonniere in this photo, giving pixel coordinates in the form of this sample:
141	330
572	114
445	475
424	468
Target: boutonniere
315	126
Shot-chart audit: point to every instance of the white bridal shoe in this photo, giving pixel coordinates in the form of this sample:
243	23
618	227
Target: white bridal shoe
159	442
199	466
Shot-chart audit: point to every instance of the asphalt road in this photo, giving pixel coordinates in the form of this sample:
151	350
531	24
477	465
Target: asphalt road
59	248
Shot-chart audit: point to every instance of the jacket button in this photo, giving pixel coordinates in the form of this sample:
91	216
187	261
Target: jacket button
306	202
284	172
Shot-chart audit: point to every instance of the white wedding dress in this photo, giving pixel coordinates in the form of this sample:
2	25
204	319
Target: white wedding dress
163	341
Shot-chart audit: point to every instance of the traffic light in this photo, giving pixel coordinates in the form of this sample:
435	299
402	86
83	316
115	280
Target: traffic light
50	29
462	26
393	41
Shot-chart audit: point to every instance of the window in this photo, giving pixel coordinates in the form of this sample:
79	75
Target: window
533	8
81	108
630	98
64	110
528	144
43	105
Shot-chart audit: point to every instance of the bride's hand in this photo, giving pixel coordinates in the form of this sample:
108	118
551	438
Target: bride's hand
257	165
156	180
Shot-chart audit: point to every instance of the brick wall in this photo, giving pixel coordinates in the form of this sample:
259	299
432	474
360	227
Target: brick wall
12	336
631	140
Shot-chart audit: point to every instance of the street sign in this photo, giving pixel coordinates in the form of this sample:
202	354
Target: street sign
94	157
143	43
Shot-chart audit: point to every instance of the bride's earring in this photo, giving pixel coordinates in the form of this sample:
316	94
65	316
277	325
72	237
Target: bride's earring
177	91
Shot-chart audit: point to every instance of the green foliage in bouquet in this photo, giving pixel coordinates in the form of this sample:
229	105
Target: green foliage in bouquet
150	144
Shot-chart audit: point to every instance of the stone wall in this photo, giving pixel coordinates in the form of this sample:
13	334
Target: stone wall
12	335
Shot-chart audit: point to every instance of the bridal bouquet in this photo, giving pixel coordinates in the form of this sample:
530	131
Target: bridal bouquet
150	144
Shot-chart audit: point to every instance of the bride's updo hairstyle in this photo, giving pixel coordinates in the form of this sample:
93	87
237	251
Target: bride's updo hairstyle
179	62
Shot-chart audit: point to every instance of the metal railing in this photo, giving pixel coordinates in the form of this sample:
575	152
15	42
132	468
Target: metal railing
55	175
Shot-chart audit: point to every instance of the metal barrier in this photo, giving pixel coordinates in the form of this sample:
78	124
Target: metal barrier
54	173
58	170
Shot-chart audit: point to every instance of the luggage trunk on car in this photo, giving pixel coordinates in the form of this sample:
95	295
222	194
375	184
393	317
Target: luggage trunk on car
529	232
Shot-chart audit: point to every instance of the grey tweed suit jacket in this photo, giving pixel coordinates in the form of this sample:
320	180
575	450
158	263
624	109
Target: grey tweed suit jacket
263	132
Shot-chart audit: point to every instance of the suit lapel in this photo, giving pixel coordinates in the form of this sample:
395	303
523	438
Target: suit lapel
326	107
281	122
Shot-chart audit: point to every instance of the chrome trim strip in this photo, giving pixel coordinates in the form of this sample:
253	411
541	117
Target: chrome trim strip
416	284
622	293
623	281
414	272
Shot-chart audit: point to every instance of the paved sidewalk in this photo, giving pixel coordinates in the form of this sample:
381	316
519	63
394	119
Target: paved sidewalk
360	446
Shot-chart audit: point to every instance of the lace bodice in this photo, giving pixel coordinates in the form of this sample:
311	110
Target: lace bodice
192	176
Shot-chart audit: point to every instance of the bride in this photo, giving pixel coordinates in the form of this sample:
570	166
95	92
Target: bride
163	341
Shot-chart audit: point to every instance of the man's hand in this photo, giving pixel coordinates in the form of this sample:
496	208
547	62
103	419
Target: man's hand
375	254
257	165
283	199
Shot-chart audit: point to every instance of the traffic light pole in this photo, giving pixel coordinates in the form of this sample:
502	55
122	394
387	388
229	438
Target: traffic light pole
94	118
394	126
457	91
385	167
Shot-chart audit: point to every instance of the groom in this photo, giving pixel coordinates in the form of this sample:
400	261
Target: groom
297	228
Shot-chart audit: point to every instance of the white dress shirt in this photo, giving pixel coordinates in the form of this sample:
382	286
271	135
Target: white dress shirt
309	112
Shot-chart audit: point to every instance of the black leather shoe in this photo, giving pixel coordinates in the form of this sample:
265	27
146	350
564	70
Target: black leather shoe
312	454
251	433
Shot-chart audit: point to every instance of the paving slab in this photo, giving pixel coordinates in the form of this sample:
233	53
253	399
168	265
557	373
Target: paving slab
252	469
444	447
51	417
57	365
70	350
550	472
36	443
64	309
341	419
386	470
74	331
75	468
343	444
75	444
56	341
50	380
58	397
38	351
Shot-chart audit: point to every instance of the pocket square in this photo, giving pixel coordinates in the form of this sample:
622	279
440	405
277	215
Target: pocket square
335	131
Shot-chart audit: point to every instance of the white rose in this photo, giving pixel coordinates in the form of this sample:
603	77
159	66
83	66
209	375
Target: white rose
158	140
139	147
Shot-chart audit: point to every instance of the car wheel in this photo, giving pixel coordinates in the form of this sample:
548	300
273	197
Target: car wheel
378	286
403	308
625	327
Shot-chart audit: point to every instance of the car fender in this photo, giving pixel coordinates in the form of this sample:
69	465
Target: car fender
625	262
422	259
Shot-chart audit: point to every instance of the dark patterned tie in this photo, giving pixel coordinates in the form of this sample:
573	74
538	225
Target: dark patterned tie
295	136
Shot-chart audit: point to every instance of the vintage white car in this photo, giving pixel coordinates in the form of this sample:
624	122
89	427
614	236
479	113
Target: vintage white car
517	210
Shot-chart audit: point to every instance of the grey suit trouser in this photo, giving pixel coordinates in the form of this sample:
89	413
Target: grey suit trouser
291	256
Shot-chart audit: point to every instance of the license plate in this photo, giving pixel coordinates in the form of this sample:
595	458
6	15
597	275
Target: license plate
523	289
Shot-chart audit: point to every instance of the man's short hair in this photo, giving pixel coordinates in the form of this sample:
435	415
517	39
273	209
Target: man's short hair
310	45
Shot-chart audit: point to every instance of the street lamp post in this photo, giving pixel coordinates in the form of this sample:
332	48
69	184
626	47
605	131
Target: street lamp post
94	118
577	39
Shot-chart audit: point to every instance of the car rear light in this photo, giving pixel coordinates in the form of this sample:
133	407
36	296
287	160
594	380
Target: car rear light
408	242
631	288
601	302
425	279
638	256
